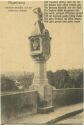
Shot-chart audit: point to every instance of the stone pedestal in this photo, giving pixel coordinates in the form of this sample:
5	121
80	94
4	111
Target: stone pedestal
45	99
41	85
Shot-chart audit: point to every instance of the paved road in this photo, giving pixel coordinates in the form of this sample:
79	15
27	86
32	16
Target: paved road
77	119
47	118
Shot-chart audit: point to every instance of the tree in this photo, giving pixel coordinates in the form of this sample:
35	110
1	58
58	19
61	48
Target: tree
7	84
79	81
60	79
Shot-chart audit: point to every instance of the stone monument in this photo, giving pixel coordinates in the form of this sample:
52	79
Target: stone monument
40	52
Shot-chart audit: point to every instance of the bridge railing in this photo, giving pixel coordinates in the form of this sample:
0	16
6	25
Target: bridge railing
67	96
17	104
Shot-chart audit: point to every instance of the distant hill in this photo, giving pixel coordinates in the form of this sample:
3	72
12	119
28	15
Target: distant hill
15	75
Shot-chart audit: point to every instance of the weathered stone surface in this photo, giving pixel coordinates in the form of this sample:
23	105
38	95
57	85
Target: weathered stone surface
40	51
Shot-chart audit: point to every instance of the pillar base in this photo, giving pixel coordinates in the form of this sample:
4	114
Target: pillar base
45	97
46	109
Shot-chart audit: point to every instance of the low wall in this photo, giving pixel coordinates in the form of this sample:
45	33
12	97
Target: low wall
17	104
63	97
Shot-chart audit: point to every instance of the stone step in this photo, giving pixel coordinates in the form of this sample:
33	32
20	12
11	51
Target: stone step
46	109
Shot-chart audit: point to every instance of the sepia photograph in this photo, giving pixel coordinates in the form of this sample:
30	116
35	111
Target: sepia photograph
41	62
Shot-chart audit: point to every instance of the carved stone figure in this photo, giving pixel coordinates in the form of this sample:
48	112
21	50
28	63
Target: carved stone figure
40	39
39	13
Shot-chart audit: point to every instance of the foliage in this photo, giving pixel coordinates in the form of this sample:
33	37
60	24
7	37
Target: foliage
7	84
15	83
66	79
25	80
60	79
79	80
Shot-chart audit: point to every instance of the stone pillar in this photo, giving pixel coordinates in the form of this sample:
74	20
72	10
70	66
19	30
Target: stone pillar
40	52
40	74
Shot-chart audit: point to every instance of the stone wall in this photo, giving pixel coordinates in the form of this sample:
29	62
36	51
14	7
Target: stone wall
19	104
15	105
63	97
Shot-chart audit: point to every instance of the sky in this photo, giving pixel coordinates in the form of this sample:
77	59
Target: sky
16	27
